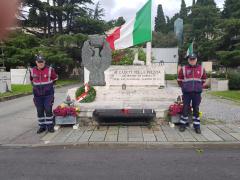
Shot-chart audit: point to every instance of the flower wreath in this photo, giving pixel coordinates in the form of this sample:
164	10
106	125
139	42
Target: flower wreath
85	94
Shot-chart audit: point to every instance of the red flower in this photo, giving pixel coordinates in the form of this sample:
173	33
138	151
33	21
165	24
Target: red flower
65	111
175	109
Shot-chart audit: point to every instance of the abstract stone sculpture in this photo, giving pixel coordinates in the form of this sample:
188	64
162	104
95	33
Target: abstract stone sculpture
96	57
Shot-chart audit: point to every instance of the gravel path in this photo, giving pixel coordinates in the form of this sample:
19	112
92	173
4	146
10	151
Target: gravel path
215	108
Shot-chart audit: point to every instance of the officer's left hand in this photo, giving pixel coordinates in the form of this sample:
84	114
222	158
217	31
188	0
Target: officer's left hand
205	86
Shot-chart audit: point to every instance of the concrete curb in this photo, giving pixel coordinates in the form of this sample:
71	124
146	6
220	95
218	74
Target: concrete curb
7	98
114	145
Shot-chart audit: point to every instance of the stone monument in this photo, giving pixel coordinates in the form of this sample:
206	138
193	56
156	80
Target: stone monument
96	57
122	86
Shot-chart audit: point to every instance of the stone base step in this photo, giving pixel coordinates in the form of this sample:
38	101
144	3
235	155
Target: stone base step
132	98
86	117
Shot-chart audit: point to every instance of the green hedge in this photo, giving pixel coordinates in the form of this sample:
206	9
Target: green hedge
171	77
216	75
90	97
123	57
234	81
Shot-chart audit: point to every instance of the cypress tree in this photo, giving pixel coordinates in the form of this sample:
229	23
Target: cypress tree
160	22
183	10
231	9
193	2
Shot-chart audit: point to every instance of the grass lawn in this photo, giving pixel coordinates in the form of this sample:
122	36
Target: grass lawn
67	81
22	89
232	95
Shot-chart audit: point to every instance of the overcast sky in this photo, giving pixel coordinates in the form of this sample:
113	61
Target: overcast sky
128	8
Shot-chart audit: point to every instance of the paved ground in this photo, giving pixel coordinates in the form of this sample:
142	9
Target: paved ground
18	126
18	116
221	133
119	164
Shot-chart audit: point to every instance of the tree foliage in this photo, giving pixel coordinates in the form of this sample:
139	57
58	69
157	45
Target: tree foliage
183	10
56	29
200	27
229	44
160	22
21	49
161	40
231	9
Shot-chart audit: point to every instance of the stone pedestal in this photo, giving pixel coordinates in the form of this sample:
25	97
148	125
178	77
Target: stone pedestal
5	82
219	85
20	76
131	87
141	97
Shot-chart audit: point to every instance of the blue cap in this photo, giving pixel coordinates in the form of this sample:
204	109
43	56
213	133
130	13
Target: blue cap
192	56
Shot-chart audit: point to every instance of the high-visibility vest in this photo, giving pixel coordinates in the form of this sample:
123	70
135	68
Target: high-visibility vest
191	78
42	80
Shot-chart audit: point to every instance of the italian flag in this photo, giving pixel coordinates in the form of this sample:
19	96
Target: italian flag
190	50
138	30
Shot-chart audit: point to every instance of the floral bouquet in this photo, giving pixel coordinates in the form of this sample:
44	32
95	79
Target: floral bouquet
64	110
175	109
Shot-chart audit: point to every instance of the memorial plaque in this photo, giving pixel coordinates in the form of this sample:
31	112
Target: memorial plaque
136	75
153	75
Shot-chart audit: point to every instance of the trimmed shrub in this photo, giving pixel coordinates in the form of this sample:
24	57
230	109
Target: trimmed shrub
123	57
234	81
171	77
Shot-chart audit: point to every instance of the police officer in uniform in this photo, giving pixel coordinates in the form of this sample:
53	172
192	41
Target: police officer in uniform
191	79
43	78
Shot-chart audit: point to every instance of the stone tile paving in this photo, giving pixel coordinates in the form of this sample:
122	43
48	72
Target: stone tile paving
135	134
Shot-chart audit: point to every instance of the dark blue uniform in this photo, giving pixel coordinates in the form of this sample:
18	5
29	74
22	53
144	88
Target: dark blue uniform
43	91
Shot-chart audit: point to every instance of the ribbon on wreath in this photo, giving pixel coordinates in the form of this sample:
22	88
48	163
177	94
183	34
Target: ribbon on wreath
84	95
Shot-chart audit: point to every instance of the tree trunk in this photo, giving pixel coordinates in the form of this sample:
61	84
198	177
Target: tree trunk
48	20
60	17
55	18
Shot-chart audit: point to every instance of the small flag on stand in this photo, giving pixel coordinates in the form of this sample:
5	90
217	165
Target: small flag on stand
190	50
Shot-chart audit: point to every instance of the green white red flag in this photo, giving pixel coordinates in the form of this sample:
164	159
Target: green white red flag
190	50
137	31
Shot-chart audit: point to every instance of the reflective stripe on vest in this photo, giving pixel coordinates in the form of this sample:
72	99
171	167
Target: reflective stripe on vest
49	73
192	79
42	83
184	71
31	71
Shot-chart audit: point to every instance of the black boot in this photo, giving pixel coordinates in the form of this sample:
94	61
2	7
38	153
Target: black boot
41	130
182	128
51	129
198	130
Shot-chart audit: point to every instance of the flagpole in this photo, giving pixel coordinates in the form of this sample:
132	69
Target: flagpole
149	54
